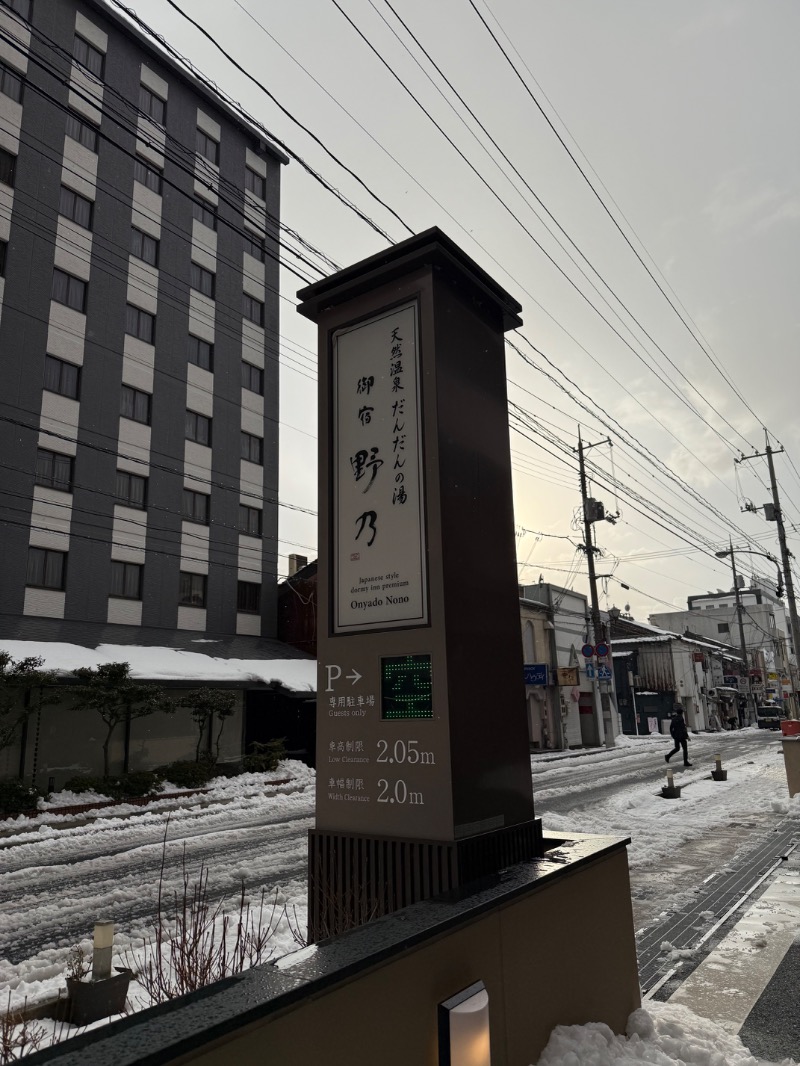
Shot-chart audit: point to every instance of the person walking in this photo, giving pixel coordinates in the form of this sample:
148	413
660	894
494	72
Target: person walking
680	735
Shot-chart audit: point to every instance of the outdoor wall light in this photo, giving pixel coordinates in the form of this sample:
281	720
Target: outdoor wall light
464	1028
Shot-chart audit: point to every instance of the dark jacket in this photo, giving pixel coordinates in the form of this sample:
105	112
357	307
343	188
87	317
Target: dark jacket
678	728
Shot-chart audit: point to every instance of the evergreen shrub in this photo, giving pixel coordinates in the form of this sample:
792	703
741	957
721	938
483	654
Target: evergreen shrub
264	757
17	796
188	774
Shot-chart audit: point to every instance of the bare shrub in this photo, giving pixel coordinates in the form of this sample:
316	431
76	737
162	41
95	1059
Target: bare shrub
18	1035
197	942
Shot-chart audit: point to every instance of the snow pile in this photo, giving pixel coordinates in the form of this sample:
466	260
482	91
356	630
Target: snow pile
68	798
662	1035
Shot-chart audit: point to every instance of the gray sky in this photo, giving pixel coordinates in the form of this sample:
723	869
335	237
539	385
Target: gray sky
684	116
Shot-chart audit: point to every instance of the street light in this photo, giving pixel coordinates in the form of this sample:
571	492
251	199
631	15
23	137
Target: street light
765	555
732	552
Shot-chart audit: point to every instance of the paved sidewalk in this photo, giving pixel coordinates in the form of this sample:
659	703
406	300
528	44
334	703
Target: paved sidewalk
749	982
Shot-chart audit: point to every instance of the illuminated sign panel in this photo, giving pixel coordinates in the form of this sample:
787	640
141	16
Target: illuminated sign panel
406	687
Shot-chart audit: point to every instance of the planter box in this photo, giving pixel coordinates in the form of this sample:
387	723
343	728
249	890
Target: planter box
89	1001
673	793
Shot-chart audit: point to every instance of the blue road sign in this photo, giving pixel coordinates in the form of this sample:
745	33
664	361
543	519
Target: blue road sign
603	673
590	670
587	651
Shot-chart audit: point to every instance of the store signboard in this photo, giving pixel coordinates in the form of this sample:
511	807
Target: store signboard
379	542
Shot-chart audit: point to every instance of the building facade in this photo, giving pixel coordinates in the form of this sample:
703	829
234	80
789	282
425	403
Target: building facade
767	635
138	336
657	670
542	700
581	721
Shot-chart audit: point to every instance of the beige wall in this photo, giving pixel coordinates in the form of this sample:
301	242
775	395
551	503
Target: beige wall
791	760
543	959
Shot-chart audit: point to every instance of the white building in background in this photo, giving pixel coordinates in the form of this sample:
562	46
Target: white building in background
577	708
767	633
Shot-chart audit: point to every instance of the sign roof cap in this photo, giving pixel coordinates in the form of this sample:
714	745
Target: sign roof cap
432	247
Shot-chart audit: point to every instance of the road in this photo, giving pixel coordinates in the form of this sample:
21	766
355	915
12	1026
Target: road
676	846
55	883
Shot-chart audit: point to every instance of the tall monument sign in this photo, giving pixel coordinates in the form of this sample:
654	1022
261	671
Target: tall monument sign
423	771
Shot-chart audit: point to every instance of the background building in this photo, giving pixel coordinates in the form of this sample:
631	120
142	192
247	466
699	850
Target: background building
138	339
767	634
657	670
580	711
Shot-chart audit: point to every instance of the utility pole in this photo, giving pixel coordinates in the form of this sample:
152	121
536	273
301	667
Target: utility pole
786	555
742	643
593	511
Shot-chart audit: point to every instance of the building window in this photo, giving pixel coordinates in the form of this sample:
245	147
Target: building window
252	309
8	166
10	83
248	597
126	580
135	405
19	7
88	56
61	377
207	147
195	506
82	132
202	280
255	183
69	290
140	324
252	449
198	428
151	105
131	490
250	520
204	213
75	207
46	569
201	353
3	246
723	627
252	378
144	247
54	471
147	176
254	246
192	590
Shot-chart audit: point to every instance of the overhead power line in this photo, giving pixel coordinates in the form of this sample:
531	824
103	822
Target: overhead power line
289	151
610	214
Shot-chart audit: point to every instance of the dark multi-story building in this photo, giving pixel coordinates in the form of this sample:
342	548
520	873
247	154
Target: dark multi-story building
138	336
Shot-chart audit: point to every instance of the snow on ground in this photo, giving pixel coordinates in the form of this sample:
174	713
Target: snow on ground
663	1034
62	872
756	783
59	875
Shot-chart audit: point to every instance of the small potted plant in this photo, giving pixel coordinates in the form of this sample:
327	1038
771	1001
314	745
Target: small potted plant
89	1000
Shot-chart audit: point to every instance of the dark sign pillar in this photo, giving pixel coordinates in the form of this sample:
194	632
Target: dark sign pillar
423	770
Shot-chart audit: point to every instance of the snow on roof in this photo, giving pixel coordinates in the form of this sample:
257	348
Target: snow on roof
170	664
665	635
646	640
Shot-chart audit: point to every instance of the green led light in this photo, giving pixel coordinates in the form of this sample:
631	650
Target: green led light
406	687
